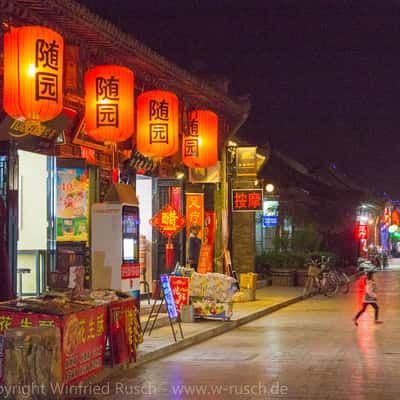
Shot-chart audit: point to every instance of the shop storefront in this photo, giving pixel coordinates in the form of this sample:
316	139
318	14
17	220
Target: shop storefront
98	137
55	167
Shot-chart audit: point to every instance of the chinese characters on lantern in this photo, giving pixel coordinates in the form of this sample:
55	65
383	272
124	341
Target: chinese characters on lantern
47	63
157	123
33	73
107	98
109	103
247	200
159	116
200	141
191	143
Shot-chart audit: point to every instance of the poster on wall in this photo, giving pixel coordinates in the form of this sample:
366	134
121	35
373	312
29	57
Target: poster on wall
72	204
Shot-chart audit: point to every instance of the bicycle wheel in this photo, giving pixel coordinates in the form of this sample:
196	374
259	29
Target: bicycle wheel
330	285
345	283
334	275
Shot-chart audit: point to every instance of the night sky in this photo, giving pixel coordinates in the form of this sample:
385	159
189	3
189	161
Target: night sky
324	80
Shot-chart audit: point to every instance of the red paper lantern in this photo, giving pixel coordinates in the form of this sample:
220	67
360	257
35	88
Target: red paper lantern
109	103
157	123
200	144
33	73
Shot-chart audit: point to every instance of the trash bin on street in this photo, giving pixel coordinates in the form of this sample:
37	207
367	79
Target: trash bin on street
248	285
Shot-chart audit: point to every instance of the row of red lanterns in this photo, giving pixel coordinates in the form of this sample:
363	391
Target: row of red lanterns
33	74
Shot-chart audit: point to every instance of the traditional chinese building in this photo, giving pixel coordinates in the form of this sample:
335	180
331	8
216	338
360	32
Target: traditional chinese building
36	160
308	199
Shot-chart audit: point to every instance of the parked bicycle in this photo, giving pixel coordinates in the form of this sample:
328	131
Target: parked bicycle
324	279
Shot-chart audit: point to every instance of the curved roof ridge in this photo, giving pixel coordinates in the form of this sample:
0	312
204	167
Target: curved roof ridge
104	26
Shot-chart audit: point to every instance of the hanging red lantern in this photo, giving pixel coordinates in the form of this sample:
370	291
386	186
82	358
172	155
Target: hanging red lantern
109	103
200	144
157	123
33	73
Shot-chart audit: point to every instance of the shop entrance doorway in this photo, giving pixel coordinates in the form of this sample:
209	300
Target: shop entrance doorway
36	216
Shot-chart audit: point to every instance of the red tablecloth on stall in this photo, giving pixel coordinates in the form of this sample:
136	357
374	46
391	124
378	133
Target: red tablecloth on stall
82	334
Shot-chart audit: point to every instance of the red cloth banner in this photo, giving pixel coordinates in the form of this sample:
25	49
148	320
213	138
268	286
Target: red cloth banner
206	259
209	227
176	197
195	212
83	343
121	331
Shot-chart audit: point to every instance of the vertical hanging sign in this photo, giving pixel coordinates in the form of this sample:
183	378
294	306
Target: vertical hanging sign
194	212
246	161
207	248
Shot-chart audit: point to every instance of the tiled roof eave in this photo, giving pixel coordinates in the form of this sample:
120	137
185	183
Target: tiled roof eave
69	17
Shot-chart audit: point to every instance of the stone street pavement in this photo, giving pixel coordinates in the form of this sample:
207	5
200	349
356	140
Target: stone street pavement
310	350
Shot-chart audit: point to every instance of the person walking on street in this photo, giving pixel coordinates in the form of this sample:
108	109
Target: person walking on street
369	298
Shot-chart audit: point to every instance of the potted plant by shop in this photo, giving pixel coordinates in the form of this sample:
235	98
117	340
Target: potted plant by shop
262	268
282	272
301	267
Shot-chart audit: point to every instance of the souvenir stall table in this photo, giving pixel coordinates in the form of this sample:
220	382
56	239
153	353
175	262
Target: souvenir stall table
61	338
210	294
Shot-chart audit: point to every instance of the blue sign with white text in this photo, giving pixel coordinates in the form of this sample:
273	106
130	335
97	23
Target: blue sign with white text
168	296
270	221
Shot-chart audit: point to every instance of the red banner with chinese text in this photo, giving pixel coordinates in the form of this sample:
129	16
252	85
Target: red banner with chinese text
206	259
209	227
194	212
130	271
83	338
83	343
122	331
180	290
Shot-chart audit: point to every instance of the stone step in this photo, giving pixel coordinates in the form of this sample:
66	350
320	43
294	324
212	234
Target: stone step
162	320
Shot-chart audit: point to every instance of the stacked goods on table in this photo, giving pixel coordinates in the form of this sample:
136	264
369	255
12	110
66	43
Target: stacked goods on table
182	271
211	295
